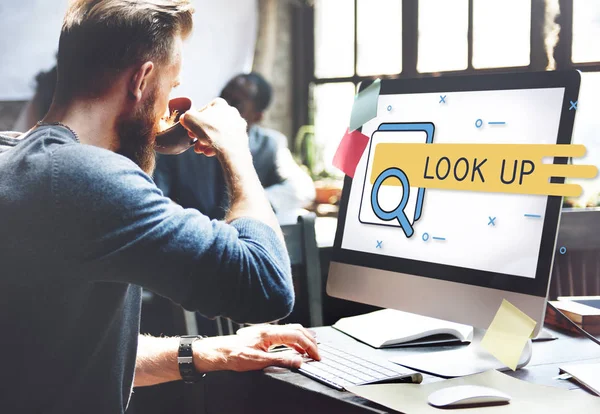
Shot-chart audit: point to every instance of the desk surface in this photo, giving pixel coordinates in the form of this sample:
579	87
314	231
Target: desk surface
283	391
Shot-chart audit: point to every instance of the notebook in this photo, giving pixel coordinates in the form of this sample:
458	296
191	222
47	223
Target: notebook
586	374
582	312
391	328
591	301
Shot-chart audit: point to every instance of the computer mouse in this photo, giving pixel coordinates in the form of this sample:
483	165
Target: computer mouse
467	395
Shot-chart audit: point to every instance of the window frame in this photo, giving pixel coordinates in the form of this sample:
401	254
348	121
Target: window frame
304	48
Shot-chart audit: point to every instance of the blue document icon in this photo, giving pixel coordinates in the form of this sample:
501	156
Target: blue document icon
401	206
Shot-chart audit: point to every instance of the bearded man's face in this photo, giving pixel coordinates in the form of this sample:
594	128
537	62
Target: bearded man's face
137	135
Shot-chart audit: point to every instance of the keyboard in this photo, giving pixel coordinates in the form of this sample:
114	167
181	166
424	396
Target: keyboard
340	369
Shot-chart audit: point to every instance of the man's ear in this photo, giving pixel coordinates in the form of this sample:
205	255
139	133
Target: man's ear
139	80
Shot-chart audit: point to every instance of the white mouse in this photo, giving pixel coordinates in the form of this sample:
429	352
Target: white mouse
467	395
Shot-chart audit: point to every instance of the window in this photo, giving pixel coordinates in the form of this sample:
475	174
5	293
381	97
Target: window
587	125
443	41
334	38
332	107
372	29
379	35
357	40
585	55
501	33
586	31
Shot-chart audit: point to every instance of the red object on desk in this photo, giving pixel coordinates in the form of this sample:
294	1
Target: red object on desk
348	154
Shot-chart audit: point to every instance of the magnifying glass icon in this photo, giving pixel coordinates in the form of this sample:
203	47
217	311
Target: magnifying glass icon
397	213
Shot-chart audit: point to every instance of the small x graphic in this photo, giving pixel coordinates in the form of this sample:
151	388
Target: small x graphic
573	105
442	98
379	244
492	221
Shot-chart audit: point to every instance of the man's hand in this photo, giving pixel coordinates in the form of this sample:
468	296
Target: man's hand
221	131
219	128
249	349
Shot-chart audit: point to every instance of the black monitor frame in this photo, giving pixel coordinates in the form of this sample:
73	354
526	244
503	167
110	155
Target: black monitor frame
570	80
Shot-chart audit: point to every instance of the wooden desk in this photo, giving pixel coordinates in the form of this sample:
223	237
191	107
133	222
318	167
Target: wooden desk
283	391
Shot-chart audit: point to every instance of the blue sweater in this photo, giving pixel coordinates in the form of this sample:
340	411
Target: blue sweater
82	230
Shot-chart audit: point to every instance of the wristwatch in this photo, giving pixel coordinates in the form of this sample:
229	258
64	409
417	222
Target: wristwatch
185	359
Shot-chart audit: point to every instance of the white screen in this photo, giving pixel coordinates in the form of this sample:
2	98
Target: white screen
455	227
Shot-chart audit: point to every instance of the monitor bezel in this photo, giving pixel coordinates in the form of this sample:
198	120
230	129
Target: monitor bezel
538	286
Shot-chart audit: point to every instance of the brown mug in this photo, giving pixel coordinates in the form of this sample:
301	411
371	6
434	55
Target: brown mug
175	139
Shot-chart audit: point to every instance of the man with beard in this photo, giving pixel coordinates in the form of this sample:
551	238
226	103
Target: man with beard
84	228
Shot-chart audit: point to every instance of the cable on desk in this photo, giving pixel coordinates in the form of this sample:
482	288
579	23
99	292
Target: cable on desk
577	327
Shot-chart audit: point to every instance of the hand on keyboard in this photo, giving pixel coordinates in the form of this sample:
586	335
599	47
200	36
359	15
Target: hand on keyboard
340	369
249	349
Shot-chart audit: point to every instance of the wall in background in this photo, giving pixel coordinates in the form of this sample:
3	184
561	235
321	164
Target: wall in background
28	43
221	46
9	112
273	59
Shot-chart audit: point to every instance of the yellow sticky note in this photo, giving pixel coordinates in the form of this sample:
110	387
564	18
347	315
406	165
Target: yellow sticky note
508	334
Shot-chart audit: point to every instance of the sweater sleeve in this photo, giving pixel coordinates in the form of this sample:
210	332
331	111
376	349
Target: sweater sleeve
117	226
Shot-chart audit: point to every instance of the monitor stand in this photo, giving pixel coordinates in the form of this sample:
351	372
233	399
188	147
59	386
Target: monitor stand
458	362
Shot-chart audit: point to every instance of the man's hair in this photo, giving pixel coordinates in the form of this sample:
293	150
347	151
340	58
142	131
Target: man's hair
101	38
264	91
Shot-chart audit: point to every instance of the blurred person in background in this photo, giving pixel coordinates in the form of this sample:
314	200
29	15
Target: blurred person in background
198	182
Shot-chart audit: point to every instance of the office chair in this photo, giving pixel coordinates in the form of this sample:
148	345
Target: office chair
301	243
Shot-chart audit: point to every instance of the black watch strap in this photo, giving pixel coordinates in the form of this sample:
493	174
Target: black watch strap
185	359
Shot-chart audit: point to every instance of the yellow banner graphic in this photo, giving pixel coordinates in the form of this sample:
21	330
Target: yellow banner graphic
493	168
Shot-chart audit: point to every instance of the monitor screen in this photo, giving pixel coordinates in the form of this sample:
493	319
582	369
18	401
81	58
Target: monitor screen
486	231
482	238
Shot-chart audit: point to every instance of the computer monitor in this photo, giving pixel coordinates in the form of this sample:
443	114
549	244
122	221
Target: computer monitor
457	254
